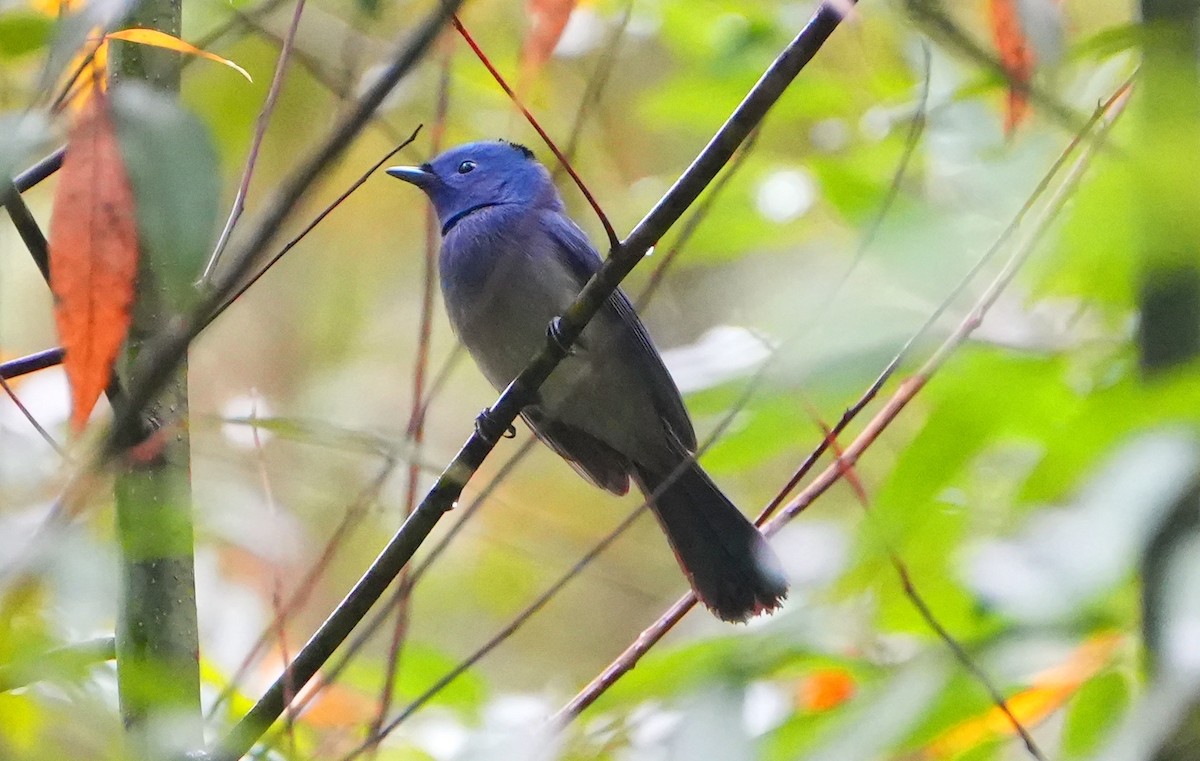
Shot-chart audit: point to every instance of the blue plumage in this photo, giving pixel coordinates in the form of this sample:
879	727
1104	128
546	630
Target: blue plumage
511	261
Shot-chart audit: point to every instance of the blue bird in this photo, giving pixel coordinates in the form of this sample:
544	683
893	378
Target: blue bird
511	261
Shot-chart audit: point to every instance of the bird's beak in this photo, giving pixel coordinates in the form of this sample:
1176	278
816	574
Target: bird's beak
418	176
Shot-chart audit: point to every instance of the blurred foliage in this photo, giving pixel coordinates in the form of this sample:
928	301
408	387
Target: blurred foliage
1034	466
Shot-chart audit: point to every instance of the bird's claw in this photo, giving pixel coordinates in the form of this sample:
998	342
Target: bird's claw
486	425
554	332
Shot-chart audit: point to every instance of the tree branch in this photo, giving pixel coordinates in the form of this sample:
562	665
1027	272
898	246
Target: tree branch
565	330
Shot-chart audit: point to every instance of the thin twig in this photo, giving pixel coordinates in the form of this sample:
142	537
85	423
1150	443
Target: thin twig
415	431
614	241
566	330
351	518
922	607
597	82
916	128
276	578
907	390
32	420
250	281
260	132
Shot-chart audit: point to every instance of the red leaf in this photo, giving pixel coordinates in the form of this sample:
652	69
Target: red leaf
93	255
547	18
1016	56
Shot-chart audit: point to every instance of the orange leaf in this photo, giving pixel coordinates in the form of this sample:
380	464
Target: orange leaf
825	689
1016	56
163	40
548	19
90	69
1050	690
93	255
56	7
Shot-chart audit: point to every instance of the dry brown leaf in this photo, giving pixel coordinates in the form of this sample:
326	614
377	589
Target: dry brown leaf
93	255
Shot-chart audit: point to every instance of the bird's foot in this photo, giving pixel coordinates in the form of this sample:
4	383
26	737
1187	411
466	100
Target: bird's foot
490	429
555	333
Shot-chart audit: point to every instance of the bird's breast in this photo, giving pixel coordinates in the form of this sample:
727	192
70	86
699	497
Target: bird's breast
502	285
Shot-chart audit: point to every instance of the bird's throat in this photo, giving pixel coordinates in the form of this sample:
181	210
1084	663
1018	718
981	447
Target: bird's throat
455	219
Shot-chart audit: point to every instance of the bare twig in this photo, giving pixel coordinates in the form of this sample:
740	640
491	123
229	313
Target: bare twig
252	279
597	82
415	432
41	431
565	330
351	518
916	128
614	241
260	132
907	390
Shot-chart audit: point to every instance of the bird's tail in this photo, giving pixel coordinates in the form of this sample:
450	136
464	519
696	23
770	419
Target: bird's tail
728	562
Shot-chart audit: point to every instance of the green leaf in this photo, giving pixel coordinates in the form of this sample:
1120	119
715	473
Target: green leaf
1093	712
174	171
23	32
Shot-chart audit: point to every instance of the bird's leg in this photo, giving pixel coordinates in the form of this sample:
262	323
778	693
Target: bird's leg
555	333
486	426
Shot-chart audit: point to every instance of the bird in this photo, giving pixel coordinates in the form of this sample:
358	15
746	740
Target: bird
511	261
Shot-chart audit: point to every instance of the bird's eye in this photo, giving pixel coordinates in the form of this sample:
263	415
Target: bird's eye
465	167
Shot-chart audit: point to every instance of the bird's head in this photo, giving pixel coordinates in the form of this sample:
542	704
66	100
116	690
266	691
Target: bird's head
478	175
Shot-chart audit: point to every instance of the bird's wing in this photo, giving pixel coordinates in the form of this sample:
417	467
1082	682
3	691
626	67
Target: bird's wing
583	261
588	455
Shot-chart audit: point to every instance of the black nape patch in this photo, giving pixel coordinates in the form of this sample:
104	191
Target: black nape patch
519	148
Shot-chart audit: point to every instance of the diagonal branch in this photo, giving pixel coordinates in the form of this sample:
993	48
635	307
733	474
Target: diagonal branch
563	333
260	132
613	240
1106	116
170	346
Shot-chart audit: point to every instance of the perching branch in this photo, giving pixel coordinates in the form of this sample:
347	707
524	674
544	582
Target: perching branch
629	658
563	333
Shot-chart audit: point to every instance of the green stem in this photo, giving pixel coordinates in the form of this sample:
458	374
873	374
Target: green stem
157	640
